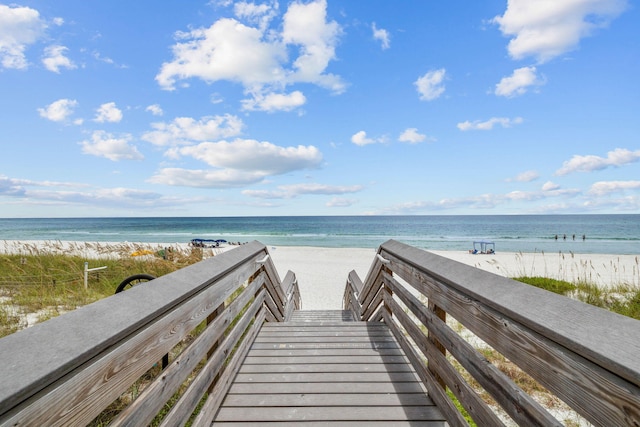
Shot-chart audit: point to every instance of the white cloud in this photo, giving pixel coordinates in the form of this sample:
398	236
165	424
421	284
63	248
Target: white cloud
518	83
411	136
155	109
259	57
19	28
186	130
218	178
431	85
274	102
382	35
252	155
306	26
603	188
340	202
54	59
260	14
58	111
545	29
360	138
590	163
550	186
106	145
295	190
489	124
108	113
527	176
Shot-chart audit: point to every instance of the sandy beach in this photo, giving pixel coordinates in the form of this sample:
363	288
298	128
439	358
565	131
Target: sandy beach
322	272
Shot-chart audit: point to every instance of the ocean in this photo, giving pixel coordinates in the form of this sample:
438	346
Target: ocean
611	234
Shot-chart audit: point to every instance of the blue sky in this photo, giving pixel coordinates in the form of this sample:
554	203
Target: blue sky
325	107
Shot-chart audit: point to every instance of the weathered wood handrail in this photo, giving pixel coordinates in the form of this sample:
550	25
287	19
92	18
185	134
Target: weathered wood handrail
588	357
67	370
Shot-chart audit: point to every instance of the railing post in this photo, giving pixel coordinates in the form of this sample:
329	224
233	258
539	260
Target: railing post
387	289
442	315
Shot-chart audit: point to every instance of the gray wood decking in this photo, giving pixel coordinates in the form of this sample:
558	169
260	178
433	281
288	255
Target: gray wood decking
324	368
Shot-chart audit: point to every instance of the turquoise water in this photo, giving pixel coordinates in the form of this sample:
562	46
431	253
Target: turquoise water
614	234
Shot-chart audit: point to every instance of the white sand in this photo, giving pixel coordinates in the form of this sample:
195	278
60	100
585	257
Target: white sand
322	272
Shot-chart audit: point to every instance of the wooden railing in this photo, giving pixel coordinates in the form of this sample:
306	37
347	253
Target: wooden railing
70	369
586	356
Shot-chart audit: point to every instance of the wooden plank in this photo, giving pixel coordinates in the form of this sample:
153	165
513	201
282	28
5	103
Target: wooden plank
262	360
80	397
335	367
324	344
309	388
327	380
521	407
436	392
323	377
36	357
340	413
595	393
183	408
340	424
212	403
574	324
328	399
154	397
341	352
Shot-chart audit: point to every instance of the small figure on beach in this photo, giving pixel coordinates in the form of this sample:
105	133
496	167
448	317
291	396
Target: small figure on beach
574	237
564	237
584	237
556	237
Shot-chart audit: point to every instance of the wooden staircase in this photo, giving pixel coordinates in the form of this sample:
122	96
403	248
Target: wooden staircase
325	368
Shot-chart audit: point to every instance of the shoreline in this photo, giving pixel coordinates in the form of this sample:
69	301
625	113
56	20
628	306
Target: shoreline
322	271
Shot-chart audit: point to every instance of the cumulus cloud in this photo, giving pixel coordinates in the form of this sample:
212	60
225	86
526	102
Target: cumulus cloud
381	35
259	57
186	130
518	83
58	111
108	113
55	59
360	138
431	85
412	136
103	144
545	29
155	109
590	163
340	202
526	176
20	27
252	155
260	14
550	186
212	178
489	124
603	188
274	102
240	163
295	190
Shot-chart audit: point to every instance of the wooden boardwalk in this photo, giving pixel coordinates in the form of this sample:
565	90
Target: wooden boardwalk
324	368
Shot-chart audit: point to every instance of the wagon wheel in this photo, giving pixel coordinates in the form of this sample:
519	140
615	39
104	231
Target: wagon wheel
131	281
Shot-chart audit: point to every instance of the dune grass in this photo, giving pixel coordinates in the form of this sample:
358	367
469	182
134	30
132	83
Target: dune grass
37	284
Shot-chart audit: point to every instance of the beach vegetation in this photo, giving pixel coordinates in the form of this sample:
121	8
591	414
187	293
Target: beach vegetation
37	284
622	298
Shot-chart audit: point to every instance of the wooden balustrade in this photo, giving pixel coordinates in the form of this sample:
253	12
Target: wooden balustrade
68	370
586	356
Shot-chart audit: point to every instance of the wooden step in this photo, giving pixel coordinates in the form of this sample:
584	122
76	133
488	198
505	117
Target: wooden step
323	368
315	316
